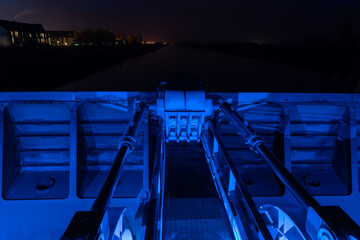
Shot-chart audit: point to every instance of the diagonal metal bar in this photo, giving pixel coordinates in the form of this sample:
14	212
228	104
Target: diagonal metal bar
127	144
249	203
256	144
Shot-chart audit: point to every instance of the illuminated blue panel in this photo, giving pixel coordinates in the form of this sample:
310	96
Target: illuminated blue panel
320	147
267	120
36	151
100	128
46	145
57	147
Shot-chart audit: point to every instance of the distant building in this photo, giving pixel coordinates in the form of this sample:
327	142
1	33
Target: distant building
16	34
60	38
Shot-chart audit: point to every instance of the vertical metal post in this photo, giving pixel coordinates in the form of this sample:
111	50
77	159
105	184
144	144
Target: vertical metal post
127	145
73	149
146	162
2	142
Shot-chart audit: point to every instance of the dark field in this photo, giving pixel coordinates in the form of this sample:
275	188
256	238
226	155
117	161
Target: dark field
41	69
342	65
241	67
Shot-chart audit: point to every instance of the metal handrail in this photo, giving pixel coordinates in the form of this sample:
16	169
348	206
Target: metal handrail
89	224
256	144
127	145
155	204
319	222
251	207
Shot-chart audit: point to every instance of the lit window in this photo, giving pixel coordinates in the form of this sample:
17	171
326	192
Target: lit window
12	40
16	34
12	33
30	35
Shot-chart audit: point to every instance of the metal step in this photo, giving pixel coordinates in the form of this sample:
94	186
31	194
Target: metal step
192	208
195	218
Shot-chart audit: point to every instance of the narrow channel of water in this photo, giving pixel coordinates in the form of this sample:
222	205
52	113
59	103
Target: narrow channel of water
219	72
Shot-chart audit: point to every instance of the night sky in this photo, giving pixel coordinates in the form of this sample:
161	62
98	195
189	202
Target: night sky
262	21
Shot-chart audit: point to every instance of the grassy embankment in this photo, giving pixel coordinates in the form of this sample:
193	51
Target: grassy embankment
41	69
340	64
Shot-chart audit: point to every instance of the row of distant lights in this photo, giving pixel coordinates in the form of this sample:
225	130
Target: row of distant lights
151	42
15	34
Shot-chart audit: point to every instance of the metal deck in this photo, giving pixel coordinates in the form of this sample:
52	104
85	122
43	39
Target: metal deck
192	207
57	148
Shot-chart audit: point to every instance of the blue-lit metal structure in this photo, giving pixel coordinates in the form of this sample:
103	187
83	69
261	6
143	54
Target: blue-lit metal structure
284	166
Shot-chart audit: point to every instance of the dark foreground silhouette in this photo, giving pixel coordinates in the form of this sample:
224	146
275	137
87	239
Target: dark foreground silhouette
40	69
339	64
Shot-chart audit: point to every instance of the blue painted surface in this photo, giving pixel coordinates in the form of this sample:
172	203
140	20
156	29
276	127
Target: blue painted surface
57	147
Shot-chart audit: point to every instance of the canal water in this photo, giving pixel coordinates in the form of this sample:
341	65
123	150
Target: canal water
219	72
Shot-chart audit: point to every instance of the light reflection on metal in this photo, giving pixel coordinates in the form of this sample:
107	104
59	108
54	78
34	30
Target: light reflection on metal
280	225
321	222
240	207
55	140
127	235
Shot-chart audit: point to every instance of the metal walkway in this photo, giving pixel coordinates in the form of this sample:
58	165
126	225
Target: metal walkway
192	208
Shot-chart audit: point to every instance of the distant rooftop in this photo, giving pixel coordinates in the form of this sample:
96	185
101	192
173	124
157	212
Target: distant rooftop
23	27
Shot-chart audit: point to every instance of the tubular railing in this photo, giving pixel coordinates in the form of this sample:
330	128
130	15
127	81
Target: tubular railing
94	224
243	214
127	145
154	219
322	222
256	143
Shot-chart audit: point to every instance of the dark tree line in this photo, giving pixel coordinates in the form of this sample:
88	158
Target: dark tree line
347	25
95	37
101	37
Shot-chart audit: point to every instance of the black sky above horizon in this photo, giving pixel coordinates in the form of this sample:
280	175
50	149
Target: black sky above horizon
262	21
